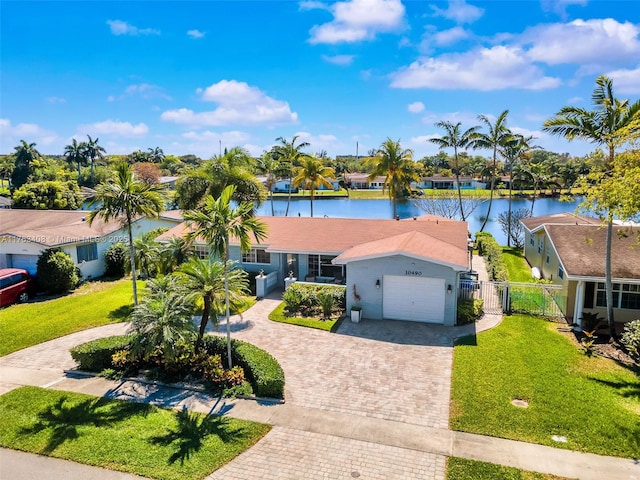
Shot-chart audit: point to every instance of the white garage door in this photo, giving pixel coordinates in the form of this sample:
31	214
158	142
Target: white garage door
26	262
413	298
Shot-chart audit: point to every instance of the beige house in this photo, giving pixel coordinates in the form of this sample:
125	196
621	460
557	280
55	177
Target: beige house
569	250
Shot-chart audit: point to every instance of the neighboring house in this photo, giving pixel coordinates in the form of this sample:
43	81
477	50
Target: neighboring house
361	181
168	182
282	186
449	183
569	250
5	202
393	269
24	234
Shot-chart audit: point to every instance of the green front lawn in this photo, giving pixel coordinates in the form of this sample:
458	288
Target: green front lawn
463	469
124	436
593	402
91	305
329	325
518	269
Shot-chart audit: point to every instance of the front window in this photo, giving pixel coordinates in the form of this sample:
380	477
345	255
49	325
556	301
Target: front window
201	251
601	296
540	244
532	241
560	273
87	252
630	298
256	255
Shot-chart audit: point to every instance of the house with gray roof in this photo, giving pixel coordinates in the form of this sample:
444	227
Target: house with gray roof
569	250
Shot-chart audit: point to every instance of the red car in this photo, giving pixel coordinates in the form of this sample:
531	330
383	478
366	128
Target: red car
15	286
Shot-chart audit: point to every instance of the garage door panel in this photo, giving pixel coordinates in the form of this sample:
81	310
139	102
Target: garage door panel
413	299
26	262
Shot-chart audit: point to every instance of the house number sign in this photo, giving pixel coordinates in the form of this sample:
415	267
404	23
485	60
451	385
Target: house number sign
413	273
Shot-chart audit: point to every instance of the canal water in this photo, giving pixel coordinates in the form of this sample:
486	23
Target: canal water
348	208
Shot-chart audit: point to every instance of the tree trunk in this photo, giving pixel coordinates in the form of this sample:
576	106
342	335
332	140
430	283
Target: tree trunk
286	213
311	199
509	210
92	173
455	157
226	303
608	283
132	255
203	323
492	180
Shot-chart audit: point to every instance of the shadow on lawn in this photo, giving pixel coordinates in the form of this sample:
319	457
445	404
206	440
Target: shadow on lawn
624	388
191	432
120	314
64	418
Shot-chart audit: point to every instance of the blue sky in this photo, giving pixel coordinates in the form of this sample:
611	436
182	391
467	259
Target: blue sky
190	77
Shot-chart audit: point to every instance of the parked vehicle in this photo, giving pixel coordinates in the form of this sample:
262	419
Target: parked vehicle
16	285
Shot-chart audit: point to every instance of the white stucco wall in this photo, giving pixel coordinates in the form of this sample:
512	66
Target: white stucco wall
364	273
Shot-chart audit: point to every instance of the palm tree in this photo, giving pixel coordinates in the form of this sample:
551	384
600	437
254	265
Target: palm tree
93	151
311	174
397	165
173	253
608	124
162	320
147	252
24	155
269	165
155	155
216	222
75	153
495	138
513	151
538	173
204	280
455	139
125	198
290	156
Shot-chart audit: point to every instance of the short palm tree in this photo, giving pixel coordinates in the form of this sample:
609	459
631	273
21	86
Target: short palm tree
161	321
496	137
269	165
204	280
290	155
125	198
455	139
312	174
173	253
216	222
396	164
610	124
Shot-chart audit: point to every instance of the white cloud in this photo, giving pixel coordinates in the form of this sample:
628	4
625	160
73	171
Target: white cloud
420	139
357	20
143	90
342	60
234	137
320	141
459	11
573	100
56	100
10	135
560	6
467	119
482	69
416	107
311	5
119	27
115	128
596	41
448	37
196	33
238	104
626	81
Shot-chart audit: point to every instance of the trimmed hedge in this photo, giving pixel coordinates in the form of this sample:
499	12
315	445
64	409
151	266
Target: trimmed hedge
262	370
95	356
302	297
469	310
492	252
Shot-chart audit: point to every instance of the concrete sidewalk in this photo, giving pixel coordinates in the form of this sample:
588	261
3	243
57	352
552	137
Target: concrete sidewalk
539	458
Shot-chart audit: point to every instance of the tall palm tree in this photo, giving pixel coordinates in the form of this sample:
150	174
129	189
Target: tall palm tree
513	151
216	222
455	139
290	155
609	125
93	151
123	199
311	174
155	155
269	165
396	164
76	154
497	136
24	155
204	280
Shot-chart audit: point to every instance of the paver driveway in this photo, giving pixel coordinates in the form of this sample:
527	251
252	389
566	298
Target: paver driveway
385	369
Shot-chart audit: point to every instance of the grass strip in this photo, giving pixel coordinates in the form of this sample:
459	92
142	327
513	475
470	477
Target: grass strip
91	305
593	402
124	436
463	469
329	325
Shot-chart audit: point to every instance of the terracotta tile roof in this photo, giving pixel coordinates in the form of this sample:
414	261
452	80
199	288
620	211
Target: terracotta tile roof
337	235
564	218
53	227
582	250
413	244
